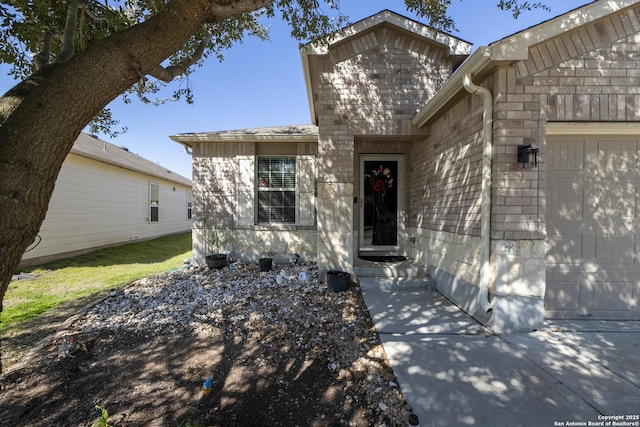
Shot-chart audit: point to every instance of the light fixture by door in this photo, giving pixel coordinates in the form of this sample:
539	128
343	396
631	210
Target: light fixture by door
528	154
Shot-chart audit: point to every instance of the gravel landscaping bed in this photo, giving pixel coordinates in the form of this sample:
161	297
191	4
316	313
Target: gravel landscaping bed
279	348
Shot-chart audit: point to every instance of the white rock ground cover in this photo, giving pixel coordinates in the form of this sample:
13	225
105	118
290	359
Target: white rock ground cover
288	325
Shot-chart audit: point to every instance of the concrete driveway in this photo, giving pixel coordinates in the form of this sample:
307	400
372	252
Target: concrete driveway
455	372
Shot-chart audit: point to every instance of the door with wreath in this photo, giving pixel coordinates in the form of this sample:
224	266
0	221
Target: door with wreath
379	201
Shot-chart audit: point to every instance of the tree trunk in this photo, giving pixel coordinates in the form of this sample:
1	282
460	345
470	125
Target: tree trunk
41	117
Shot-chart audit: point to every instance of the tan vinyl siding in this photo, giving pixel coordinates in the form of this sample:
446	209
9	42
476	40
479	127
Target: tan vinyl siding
96	204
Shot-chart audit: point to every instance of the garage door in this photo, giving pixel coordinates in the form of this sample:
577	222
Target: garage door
593	227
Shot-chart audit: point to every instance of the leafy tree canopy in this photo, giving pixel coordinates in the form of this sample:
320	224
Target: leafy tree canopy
36	33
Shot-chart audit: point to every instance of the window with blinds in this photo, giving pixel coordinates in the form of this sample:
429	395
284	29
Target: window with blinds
154	202
276	176
189	205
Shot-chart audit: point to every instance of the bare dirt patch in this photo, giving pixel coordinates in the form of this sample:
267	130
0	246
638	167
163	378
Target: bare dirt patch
280	348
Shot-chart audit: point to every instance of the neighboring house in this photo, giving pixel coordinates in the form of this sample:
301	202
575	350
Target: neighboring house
105	195
416	151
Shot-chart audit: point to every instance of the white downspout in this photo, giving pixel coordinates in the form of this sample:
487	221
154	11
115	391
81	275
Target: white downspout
485	229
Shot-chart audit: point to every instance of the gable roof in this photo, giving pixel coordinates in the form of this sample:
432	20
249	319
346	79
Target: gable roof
309	53
454	45
96	149
515	48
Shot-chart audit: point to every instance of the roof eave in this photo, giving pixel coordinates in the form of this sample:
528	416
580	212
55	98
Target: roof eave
167	175
476	62
515	48
454	45
176	178
207	137
306	71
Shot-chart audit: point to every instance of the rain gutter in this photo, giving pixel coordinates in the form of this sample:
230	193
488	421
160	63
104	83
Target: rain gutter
477	64
187	148
485	221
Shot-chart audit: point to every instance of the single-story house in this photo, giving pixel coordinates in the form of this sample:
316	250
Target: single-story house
106	195
511	171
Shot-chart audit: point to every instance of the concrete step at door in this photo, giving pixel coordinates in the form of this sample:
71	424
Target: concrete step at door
406	275
400	269
393	284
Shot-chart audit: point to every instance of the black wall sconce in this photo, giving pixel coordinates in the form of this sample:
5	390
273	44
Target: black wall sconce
528	154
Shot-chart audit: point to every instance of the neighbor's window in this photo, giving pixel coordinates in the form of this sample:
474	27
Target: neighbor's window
154	202
189	205
276	189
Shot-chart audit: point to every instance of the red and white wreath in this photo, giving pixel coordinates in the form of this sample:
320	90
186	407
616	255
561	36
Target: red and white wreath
381	179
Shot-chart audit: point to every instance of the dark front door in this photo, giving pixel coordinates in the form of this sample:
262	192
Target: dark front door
379	202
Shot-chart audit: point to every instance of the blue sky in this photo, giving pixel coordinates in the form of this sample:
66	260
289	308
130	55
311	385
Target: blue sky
261	83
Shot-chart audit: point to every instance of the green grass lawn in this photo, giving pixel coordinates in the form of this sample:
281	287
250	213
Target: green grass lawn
90	276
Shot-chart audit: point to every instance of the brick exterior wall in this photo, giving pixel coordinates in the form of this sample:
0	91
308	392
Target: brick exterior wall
373	85
590	74
446	172
215	171
222	186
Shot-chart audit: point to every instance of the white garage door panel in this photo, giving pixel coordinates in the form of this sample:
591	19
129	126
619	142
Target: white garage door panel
614	249
564	200
563	297
575	247
625	296
593	227
608	298
564	248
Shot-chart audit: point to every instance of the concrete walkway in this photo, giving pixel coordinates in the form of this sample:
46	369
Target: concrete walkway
455	372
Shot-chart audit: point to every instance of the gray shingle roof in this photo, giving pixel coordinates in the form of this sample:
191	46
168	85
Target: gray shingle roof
273	133
102	151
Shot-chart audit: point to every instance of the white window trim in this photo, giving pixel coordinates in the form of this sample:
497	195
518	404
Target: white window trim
257	191
149	206
189	205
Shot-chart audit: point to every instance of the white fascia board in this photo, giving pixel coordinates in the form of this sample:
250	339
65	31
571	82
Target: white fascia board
455	46
192	138
516	47
480	58
306	72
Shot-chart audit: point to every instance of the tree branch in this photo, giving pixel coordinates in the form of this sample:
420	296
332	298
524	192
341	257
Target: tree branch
166	74
70	28
69	34
42	58
93	16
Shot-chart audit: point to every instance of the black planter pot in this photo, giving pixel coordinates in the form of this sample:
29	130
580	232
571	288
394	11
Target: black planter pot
338	281
216	261
266	264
